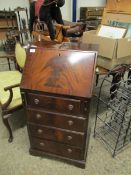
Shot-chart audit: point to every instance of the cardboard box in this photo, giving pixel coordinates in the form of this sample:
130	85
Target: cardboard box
111	51
116	16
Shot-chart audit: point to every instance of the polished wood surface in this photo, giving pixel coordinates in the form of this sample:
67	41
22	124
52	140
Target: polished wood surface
58	104
67	45
57	148
58	71
57	120
55	134
56	90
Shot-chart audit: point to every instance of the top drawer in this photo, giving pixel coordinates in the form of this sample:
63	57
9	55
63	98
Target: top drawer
69	106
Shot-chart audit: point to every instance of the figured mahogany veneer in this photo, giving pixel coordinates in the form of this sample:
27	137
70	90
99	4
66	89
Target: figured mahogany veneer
59	135
56	89
60	72
57	148
57	120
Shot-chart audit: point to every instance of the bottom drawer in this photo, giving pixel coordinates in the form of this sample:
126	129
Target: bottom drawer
56	148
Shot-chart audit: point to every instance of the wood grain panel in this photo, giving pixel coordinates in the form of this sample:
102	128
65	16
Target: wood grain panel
57	148
56	120
60	72
64	105
54	134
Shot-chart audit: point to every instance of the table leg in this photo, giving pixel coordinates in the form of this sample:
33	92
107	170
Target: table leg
8	63
129	76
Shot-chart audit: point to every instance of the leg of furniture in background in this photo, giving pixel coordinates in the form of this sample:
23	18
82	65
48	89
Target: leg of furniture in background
8	57
100	71
117	74
8	63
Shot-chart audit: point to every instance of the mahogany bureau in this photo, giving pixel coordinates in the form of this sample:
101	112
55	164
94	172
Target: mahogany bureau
56	89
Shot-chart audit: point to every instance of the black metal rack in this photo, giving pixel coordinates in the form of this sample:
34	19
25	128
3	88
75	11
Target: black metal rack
113	115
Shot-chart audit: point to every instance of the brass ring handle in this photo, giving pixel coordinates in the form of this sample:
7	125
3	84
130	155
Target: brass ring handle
69	137
42	144
38	116
70	107
36	101
69	150
39	131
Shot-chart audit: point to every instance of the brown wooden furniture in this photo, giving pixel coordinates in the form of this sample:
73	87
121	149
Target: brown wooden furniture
8	57
8	21
86	12
56	88
10	97
92	16
100	71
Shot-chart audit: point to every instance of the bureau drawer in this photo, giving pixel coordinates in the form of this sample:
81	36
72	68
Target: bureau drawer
76	139
56	148
68	106
56	120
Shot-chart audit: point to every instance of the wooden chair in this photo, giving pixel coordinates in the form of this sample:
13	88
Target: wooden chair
10	98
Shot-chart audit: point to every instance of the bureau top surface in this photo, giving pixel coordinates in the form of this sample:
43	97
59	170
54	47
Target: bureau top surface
59	71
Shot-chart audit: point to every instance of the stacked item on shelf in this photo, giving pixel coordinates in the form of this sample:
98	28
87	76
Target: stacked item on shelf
92	16
8	21
14	25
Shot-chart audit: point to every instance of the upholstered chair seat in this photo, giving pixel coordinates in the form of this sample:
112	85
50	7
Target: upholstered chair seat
10	97
9	78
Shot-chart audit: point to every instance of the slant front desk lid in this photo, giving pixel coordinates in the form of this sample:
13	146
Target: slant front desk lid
66	72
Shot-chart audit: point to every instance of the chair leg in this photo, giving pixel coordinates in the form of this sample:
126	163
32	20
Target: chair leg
6	123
